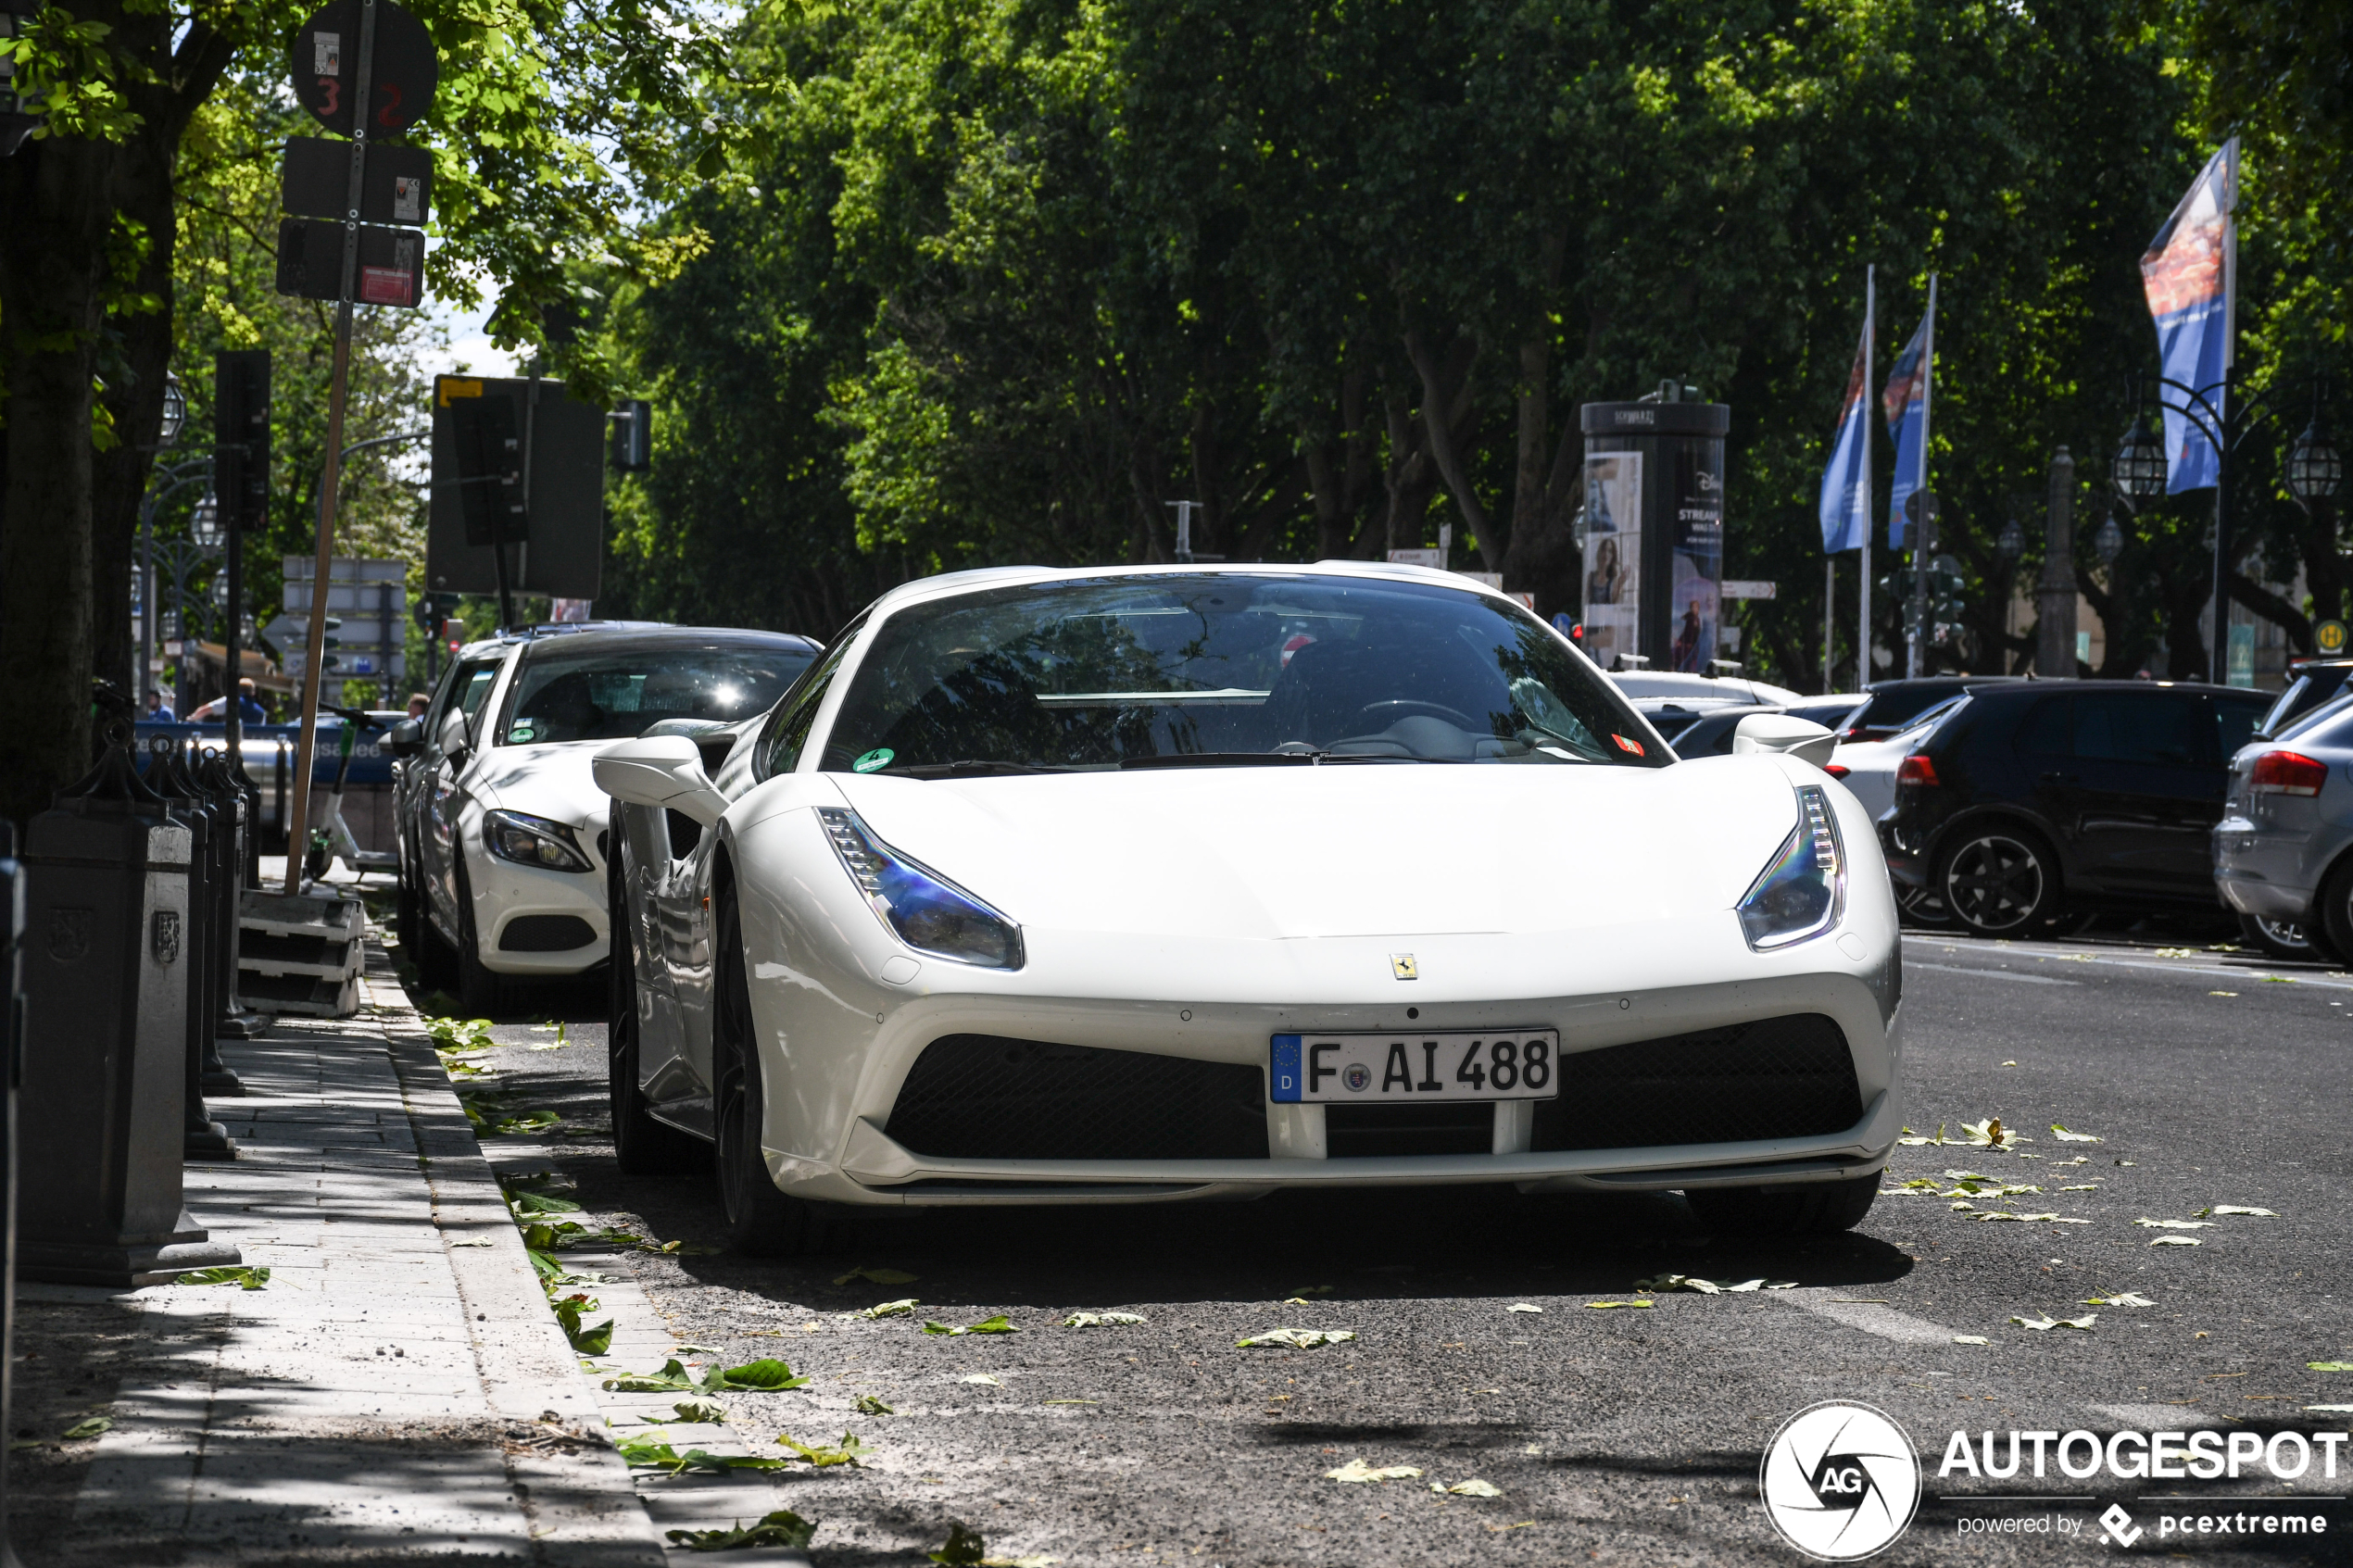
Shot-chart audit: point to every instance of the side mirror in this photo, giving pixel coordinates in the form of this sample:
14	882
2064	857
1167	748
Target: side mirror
1801	738
665	771
406	738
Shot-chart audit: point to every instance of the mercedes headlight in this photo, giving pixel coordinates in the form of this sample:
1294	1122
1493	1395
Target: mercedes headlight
533	841
1800	892
924	909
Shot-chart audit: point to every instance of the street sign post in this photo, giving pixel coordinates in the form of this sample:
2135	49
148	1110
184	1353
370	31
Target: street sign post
366	70
1921	510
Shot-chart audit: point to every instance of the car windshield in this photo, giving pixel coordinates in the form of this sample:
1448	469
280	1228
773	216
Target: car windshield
581	692
1208	668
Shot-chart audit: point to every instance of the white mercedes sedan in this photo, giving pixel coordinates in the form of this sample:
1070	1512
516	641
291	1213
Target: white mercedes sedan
1145	884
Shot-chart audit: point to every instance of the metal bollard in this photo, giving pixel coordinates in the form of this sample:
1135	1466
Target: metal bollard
105	1037
243	1023
212	773
169	776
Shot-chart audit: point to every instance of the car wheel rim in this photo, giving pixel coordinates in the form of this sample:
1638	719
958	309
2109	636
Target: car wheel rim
2286	932
1993	883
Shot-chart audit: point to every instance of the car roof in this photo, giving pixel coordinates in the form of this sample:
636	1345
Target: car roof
949	584
2046	689
625	635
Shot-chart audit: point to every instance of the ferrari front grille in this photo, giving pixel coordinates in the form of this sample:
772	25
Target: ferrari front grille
1790	1077
987	1097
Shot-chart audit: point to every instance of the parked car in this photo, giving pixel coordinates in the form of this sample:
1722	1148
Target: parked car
2280	850
1869	767
2312	682
1685	686
1894	705
502	828
1051	886
2035	797
1710	732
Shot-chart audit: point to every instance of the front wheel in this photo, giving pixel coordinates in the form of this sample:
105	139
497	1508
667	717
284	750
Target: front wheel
1818	1209
1999	880
761	1221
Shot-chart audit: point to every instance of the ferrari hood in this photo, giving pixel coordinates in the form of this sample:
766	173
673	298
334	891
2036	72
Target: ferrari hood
1357	850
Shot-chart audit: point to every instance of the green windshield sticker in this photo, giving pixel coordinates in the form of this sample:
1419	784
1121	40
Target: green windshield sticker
875	761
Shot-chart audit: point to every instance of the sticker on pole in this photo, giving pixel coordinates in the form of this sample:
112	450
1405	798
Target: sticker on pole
1840	1481
406	69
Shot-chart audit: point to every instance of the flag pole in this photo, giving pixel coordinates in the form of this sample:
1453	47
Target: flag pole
1870	374
2220	673
1919	640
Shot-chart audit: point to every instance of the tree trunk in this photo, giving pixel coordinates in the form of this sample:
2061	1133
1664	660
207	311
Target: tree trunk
56	193
1445	399
134	398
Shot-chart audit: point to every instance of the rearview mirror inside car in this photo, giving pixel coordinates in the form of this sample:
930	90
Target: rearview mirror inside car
660	770
1801	738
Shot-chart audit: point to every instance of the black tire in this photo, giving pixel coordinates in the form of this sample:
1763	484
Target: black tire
1999	880
2291	940
409	917
642	1146
2332	910
482	991
1818	1209
1919	907
761	1221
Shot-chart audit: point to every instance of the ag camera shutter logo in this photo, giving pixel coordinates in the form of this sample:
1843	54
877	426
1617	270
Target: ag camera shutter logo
1840	1481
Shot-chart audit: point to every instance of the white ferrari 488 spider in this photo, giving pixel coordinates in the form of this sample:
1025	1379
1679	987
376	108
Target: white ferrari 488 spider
1144	884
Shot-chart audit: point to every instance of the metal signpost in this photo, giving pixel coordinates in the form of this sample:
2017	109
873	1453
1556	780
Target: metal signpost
382	88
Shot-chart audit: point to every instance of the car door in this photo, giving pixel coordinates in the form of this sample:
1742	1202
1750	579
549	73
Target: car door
2150	791
2045	741
451	744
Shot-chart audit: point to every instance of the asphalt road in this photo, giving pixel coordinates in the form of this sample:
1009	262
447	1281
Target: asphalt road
1630	1434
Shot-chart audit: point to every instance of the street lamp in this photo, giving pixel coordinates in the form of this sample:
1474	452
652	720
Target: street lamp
2011	542
2315	473
2108	543
2139	468
175	412
204	524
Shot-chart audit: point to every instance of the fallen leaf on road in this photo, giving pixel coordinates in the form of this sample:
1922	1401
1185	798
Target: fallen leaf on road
250	1279
2239	1208
672	1378
988	1378
997	1324
767	1374
2325	1367
2031	1219
848	1450
963	1548
2065	1136
1100	1320
1970	1339
1914	1138
2177	952
1524	1307
701	1410
875	1277
1991	1134
2084	1321
2177	1241
88	1427
783	1528
2176	1224
2120	1298
1605	1305
1523	1524
2088	1187
2221	993
1295	1338
1471	1488
1357	1471
904	1308
474	1241
868	1405
696	1350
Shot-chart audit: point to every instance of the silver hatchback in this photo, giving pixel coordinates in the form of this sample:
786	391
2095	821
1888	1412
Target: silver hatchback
2280	856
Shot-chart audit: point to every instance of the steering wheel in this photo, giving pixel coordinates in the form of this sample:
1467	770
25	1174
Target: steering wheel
1389	713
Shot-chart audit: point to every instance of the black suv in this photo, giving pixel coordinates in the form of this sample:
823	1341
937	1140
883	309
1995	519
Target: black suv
2040	795
1892	705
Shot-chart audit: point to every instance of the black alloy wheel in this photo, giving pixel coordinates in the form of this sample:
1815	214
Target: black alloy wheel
761	1221
1998	880
1918	905
1817	1208
642	1145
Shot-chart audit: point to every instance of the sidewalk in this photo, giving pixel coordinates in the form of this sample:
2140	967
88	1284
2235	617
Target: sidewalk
398	1392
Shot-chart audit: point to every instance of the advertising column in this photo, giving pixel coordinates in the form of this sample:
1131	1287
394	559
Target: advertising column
1654	532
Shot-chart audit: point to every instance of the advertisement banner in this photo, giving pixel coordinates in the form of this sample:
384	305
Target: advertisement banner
1613	554
1698	561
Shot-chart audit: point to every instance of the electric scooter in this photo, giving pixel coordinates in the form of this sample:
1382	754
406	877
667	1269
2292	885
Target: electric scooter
335	838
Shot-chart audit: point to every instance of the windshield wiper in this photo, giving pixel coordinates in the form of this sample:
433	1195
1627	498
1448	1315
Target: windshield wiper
1224	760
972	767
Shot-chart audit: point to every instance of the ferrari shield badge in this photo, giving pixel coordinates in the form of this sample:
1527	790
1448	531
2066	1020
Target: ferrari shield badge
1403	966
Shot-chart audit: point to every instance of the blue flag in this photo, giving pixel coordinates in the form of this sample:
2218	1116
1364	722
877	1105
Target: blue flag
1846	483
1906	401
2186	273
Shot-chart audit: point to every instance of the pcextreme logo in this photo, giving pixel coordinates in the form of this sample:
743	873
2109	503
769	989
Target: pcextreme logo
1840	1481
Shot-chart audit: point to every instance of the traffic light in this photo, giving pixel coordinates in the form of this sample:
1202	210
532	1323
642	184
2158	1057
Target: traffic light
633	436
241	437
432	612
1946	586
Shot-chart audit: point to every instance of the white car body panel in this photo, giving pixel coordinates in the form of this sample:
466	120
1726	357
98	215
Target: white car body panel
1195	912
1683	685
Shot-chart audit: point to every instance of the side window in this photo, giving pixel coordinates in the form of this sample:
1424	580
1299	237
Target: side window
780	748
2047	731
2154	728
469	689
2234	722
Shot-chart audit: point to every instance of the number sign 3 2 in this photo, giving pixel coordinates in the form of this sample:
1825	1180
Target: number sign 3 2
326	68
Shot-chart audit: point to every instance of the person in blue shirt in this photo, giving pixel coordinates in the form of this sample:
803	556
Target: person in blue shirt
217	711
159	710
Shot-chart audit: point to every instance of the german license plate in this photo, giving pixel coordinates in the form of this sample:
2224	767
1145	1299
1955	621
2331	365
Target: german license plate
1364	1068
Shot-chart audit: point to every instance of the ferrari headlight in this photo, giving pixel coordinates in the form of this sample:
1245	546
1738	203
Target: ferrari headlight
1799	893
533	841
928	912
